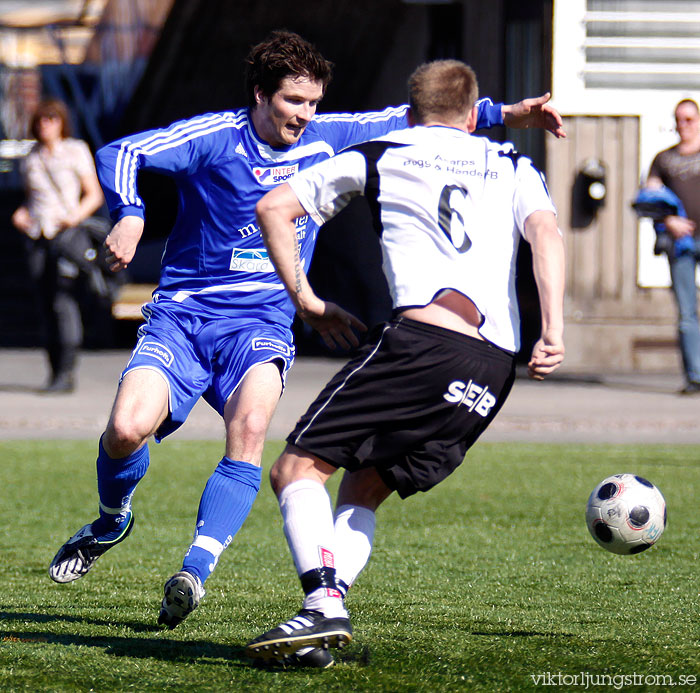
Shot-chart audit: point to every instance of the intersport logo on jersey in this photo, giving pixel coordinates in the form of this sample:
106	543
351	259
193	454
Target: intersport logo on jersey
275	175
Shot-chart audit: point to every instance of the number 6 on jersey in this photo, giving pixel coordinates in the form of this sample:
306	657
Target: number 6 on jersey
452	215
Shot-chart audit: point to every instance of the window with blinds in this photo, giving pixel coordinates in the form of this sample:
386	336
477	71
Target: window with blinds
642	44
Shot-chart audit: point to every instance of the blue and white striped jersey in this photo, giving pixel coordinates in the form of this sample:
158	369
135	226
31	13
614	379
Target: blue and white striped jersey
215	260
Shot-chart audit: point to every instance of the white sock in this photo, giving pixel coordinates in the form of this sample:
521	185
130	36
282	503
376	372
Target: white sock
308	525
354	534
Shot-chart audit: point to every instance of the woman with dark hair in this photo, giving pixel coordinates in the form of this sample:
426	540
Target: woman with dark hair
62	191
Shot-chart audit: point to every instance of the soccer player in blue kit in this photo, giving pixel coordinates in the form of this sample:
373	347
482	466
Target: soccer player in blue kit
218	325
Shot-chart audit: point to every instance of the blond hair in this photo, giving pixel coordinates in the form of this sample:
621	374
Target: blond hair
446	89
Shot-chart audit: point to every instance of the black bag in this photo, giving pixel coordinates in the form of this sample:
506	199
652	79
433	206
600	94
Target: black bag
83	245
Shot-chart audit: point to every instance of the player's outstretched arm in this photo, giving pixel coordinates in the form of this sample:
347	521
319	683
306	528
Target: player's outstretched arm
535	112
276	213
122	241
543	235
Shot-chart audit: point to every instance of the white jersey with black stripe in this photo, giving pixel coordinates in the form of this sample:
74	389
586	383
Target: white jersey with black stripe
450	209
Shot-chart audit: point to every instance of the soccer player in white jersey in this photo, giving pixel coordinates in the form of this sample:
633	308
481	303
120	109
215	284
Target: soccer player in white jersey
218	326
450	209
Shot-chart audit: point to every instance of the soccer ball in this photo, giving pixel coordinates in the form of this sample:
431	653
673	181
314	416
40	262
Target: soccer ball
626	514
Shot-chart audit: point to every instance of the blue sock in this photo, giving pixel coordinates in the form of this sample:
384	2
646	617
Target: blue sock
116	481
225	504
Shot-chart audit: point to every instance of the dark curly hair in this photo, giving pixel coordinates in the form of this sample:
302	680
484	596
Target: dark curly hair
283	54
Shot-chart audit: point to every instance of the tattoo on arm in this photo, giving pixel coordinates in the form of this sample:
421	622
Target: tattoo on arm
297	265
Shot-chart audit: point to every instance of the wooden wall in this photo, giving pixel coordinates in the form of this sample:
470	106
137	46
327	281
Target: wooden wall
612	324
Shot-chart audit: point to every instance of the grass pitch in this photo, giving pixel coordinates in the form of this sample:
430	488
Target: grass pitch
490	582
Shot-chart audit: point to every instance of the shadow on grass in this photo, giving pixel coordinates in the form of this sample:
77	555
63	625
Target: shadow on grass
145	648
137	626
171	651
522	634
138	648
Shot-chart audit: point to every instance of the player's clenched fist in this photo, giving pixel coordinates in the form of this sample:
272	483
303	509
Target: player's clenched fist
122	241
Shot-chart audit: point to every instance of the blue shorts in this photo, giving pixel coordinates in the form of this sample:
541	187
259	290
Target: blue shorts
201	356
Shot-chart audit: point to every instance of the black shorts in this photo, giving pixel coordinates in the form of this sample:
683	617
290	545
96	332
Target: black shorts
410	404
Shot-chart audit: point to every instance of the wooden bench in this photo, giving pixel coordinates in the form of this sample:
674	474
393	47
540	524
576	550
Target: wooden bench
130	298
